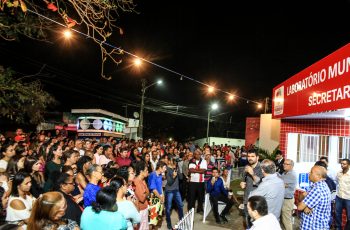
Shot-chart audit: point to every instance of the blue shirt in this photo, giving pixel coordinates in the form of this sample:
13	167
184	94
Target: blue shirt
130	213
103	220
217	189
155	182
90	194
319	200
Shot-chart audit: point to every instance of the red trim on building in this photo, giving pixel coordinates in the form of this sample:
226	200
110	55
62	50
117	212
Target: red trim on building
329	127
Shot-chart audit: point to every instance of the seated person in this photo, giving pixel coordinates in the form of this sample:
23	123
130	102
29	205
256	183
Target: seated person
257	209
217	192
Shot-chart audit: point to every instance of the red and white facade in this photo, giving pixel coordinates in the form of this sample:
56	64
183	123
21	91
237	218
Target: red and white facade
314	108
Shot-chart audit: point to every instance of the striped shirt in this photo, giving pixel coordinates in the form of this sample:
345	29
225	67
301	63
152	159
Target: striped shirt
209	171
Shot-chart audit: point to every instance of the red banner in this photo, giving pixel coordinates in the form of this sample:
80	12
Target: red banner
321	87
252	130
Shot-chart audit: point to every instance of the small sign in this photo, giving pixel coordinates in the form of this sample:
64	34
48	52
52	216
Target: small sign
303	181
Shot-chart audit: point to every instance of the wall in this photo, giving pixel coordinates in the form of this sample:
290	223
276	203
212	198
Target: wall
269	135
330	127
290	128
219	141
252	128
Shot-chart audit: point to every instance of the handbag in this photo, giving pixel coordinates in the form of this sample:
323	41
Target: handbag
155	209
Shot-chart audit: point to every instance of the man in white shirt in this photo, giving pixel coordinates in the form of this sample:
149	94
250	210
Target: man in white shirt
342	199
197	168
257	209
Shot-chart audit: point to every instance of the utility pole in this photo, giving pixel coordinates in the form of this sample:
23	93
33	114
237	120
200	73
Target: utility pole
143	90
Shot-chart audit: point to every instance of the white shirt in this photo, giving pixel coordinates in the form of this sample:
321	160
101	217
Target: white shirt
14	216
81	151
101	159
343	185
268	222
226	183
154	163
197	177
3	164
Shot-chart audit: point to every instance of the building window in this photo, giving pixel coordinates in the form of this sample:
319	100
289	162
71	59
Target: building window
312	147
344	148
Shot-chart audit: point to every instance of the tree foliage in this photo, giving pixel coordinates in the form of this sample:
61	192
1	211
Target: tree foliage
96	18
265	154
22	100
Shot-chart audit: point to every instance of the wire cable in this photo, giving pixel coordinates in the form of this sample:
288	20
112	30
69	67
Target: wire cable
143	59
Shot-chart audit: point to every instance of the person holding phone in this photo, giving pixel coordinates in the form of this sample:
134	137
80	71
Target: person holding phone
217	192
172	191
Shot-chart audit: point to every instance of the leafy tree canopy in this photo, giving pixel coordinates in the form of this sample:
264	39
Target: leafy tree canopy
34	18
22	100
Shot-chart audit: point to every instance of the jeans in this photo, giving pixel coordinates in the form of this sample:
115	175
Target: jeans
339	205
170	195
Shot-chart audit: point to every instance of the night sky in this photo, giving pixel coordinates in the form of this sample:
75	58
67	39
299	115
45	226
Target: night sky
246	47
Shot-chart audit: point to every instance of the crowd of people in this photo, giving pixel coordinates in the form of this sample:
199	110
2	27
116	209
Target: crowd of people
51	181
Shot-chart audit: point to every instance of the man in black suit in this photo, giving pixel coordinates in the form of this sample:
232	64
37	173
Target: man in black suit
279	162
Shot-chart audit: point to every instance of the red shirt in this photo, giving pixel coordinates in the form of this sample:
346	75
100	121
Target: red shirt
228	159
123	161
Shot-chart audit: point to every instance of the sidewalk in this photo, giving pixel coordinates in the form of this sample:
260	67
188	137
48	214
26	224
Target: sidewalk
235	221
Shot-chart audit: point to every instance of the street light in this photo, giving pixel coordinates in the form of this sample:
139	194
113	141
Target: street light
213	107
143	91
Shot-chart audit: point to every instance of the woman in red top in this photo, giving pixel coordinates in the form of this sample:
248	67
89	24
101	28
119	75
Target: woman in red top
142	192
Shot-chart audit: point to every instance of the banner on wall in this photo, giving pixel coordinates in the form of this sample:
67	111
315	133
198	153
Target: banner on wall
321	87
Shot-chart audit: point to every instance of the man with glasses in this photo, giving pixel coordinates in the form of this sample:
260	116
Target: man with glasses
342	199
65	185
289	178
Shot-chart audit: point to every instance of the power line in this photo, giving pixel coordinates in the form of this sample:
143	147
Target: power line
143	59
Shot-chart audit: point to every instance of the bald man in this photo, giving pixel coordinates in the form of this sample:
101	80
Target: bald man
316	206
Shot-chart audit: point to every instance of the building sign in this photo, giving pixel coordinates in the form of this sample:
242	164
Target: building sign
323	86
86	134
99	124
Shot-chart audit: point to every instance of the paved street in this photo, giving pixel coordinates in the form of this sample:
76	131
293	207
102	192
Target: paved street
235	221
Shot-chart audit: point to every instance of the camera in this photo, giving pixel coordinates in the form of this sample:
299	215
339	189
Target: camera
129	192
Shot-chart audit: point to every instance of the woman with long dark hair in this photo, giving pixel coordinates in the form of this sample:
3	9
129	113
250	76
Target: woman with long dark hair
142	193
48	211
21	201
147	160
15	165
82	179
53	166
103	214
32	166
126	207
7	151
